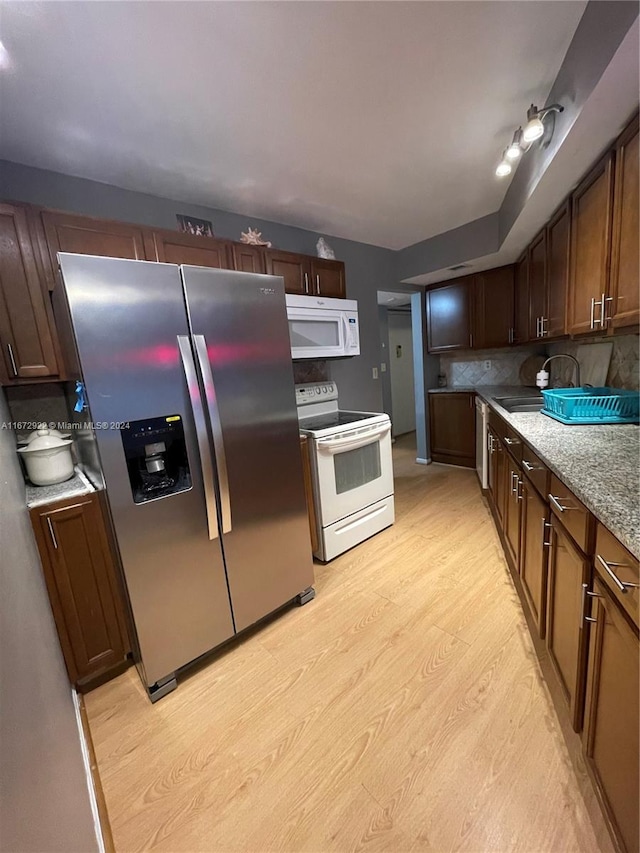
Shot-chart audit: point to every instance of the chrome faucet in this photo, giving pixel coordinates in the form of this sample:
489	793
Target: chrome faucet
543	381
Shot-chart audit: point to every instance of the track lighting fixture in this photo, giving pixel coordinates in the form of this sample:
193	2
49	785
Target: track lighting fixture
523	139
515	149
535	128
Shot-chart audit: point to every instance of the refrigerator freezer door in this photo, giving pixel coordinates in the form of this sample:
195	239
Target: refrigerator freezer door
239	323
127	317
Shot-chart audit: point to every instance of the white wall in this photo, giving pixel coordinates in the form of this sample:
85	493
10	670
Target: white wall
401	372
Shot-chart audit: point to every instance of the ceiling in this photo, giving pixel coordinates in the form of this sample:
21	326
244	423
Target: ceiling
375	121
392	299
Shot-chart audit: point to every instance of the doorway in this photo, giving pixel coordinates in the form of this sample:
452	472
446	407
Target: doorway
397	362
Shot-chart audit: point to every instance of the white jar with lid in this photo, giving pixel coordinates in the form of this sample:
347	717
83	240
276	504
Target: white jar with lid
48	458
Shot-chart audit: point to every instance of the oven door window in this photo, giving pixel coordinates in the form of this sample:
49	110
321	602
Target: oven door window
356	468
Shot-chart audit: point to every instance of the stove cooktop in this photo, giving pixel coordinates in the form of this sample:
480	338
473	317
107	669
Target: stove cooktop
332	419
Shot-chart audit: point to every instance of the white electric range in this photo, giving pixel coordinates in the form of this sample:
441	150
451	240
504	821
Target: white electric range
350	454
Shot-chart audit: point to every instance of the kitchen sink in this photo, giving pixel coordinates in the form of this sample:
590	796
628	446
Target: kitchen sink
532	403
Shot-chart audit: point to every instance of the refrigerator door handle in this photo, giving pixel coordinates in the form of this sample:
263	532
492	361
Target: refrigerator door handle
216	430
206	463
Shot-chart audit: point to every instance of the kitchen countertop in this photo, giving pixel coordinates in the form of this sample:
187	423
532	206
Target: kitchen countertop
599	463
74	487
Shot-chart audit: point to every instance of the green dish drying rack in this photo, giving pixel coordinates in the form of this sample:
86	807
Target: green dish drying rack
592	405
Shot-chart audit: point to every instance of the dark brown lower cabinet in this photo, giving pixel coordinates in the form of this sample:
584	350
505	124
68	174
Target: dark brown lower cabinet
611	718
512	510
569	569
452	428
535	529
84	588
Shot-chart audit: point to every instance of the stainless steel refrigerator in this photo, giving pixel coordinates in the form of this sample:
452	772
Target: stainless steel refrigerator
190	395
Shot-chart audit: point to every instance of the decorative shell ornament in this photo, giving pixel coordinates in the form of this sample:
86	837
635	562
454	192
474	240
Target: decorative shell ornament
253	237
325	250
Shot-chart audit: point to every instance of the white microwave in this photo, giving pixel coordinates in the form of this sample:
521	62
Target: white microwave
322	328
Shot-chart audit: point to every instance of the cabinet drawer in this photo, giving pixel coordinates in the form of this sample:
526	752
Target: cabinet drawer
574	516
619	570
513	443
535	470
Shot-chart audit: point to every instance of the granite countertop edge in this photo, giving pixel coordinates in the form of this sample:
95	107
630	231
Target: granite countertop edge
598	463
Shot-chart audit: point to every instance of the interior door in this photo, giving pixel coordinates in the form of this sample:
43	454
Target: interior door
240	331
132	367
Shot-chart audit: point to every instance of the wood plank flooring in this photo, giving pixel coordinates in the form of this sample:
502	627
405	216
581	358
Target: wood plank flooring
401	710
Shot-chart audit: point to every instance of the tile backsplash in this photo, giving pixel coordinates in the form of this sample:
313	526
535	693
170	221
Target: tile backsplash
37	403
624	369
310	371
468	368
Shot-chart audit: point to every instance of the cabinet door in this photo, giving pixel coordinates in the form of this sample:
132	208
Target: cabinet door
521	273
625	280
452	434
449	316
533	553
494	307
537	282
611	718
83	235
328	278
248	258
174	247
26	321
294	269
82	585
591	212
501	473
566	636
558	236
512	513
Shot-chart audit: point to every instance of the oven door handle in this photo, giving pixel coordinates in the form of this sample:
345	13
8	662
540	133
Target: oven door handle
352	442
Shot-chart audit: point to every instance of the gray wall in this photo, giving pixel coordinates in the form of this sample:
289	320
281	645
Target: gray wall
44	799
368	268
385	378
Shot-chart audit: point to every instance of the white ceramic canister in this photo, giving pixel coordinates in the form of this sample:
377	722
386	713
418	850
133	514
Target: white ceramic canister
54	432
48	458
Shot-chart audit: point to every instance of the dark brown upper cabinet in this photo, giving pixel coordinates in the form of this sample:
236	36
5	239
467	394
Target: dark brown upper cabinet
449	316
537	285
328	278
623	307
27	335
294	269
521	275
176	247
84	235
494	308
557	277
591	218
248	258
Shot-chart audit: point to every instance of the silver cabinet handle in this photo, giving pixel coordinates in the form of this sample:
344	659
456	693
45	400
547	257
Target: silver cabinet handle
13	361
216	430
206	463
318	282
512	441
529	467
306	282
519	496
622	586
490	442
545	524
554	500
470	340
605	319
52	533
543	331
583	608
514	485
592	312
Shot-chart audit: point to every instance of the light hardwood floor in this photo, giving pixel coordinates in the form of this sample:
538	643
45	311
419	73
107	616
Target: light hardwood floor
402	710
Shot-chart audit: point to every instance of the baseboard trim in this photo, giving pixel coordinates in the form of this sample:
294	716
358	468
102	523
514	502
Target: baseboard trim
99	804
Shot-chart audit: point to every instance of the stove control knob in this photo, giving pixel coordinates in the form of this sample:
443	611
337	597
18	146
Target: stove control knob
324	389
317	390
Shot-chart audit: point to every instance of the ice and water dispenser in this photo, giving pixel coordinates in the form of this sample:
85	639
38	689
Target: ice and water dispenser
156	456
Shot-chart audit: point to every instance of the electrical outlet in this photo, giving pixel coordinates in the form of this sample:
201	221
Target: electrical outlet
375	372
383	367
487	364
